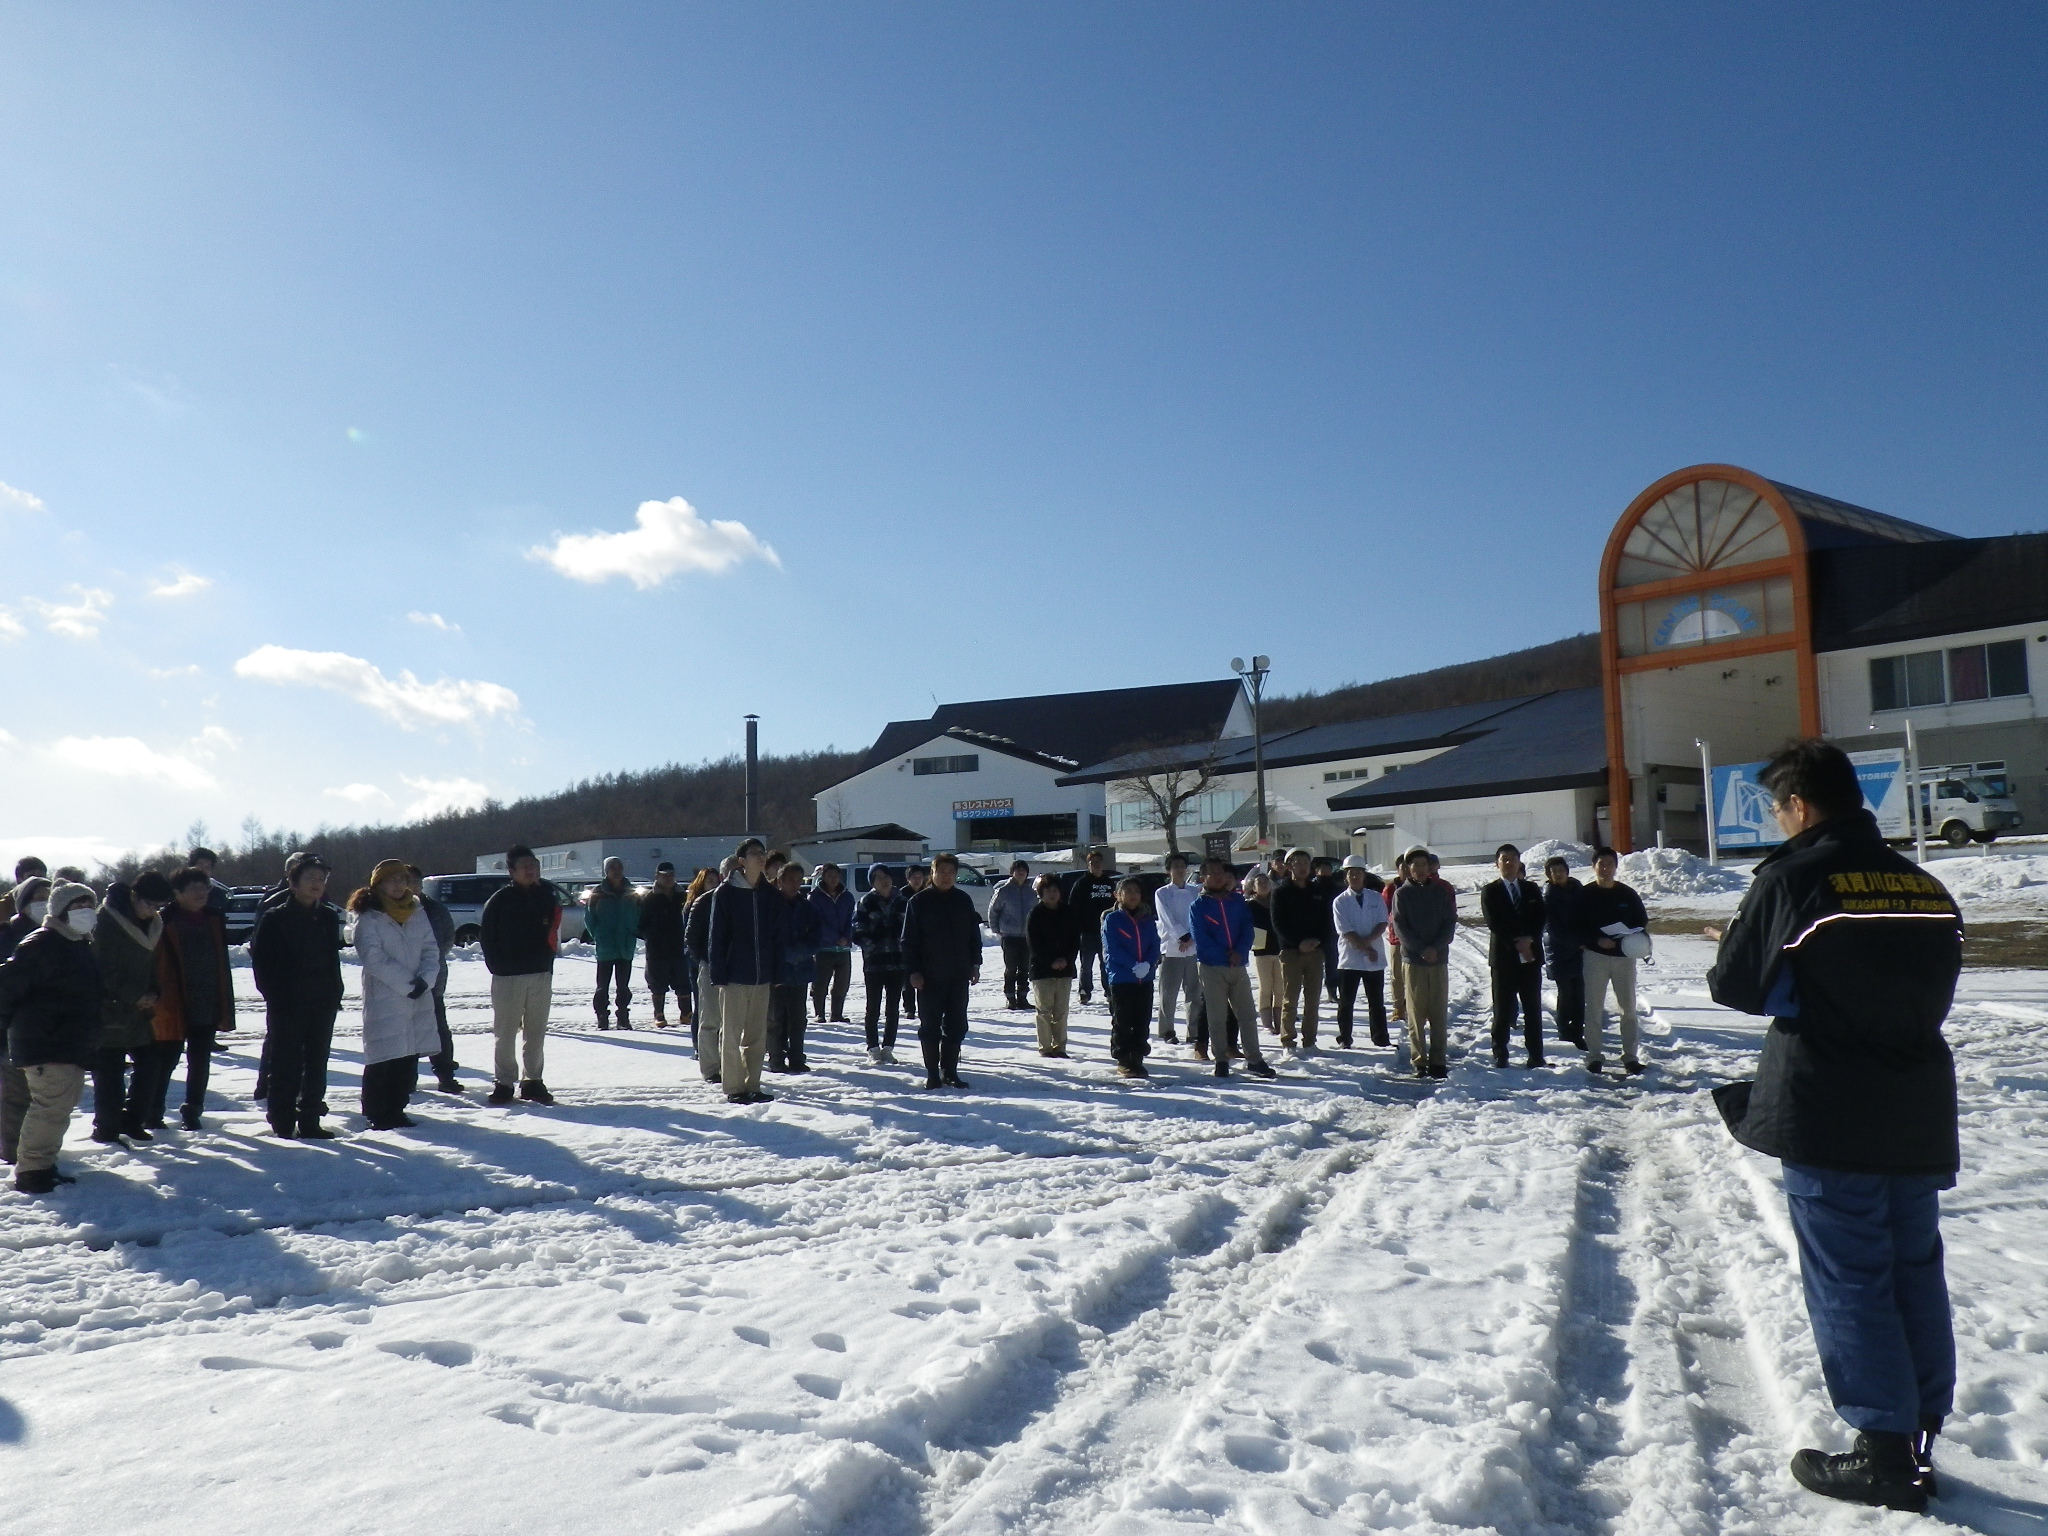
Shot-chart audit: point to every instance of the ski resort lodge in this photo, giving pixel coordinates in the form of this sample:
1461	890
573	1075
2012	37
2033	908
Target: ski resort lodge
1735	612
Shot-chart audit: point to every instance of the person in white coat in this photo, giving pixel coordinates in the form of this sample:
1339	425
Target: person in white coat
1360	914
401	963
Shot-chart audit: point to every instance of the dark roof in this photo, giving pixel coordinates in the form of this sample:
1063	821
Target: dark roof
1554	741
1886	593
1411	732
881	831
1832	524
1080	727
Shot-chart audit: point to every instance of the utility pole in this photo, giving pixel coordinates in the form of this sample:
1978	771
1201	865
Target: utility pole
1707	800
1254	680
1913	794
753	787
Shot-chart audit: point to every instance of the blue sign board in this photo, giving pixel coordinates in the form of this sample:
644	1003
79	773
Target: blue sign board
1742	806
983	810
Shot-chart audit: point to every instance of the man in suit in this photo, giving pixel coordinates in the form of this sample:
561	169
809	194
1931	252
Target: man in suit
1513	909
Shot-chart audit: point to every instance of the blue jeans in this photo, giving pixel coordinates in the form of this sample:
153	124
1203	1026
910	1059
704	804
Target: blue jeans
1871	1258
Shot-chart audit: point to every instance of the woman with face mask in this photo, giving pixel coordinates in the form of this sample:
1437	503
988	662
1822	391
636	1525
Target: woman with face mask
50	1002
31	906
124	942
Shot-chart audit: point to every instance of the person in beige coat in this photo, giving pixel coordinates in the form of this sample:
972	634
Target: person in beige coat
401	962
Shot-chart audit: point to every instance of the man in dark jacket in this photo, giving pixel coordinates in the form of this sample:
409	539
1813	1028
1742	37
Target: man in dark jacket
743	957
878	930
50	1008
832	906
522	925
1609	904
1303	924
1853	952
296	955
661	930
1513	909
1324	880
942	952
1425	915
1091	893
788	1015
1563	955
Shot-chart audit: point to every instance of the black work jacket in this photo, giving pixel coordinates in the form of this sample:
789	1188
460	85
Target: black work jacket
50	1000
941	936
1052	935
1853	951
296	955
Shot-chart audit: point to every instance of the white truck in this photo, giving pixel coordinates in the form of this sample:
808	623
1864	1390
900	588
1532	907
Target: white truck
1963	810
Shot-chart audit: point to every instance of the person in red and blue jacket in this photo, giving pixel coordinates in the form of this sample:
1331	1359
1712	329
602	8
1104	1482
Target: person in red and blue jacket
1221	924
1130	959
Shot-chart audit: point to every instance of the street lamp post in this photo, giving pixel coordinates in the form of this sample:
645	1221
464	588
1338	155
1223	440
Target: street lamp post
1707	800
1254	680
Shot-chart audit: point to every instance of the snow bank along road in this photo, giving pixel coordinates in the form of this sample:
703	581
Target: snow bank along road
1523	1302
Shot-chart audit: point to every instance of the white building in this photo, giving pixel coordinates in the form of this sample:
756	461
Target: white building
1461	780
986	776
582	863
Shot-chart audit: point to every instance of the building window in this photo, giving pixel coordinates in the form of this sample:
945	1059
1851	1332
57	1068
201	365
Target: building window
1347	773
1960	676
969	762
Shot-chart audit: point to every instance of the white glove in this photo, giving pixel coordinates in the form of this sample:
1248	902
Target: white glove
1142	969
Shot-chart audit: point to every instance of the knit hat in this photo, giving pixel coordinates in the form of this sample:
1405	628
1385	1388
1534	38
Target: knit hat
66	895
385	869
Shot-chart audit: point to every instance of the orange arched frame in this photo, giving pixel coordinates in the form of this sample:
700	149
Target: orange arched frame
1614	666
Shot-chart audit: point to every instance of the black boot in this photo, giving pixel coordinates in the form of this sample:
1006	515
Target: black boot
536	1091
949	1065
1878	1470
35	1181
1923	1453
313	1130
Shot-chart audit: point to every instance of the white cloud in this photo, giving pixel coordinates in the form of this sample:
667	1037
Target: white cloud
129	757
7	740
75	621
190	669
359	794
439	795
671	538
15	499
11	628
182	584
404	700
161	393
435	621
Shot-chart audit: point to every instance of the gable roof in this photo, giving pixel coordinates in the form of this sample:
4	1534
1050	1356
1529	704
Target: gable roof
1416	731
1553	741
878	832
1078	727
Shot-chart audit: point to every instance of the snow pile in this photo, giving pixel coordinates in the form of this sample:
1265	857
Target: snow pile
1577	855
1674	872
1992	876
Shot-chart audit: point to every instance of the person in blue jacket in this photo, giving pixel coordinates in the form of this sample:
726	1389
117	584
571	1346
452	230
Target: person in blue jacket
1220	921
832	904
1130	959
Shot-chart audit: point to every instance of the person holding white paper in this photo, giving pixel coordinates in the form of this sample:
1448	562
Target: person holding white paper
1616	933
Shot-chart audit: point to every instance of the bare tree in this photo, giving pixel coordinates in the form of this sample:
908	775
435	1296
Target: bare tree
832	812
1167	783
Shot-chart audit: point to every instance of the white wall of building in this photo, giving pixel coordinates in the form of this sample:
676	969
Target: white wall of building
893	791
1459	830
1845	687
1745	707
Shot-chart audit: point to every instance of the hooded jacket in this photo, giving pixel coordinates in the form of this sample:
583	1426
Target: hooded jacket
1009	910
396	956
1853	952
833	911
126	953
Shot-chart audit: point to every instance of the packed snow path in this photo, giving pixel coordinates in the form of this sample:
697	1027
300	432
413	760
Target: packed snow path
1524	1302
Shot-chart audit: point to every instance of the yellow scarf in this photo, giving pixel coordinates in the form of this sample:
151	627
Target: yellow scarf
398	911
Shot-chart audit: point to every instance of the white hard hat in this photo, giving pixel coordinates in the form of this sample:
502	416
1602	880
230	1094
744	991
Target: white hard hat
1356	861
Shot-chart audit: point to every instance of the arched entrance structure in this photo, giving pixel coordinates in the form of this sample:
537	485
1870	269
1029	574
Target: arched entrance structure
1706	632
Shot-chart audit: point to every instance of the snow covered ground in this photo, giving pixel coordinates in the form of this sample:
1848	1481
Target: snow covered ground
1522	1302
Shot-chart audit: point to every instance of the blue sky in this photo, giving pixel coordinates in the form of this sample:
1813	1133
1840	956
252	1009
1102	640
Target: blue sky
1029	349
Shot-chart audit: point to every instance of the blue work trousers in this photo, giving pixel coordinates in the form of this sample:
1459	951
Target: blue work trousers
1870	1255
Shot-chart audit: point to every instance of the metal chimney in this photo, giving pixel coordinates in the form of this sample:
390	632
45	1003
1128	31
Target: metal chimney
753	817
